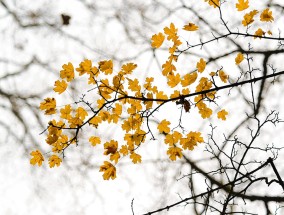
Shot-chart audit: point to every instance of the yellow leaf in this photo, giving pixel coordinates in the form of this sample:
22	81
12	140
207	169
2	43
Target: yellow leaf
168	67
222	114
172	50
266	16
223	76
163	126
106	66
114	157
259	33
67	72
109	170
75	122
190	27
60	86
37	158
54	132
51	139
177	43
128	68
60	144
133	85
123	150
137	138
65	112
114	118
117	82
171	32
95	121
173	80
204	111
174	152
148	83
191	140
161	95
204	84
126	125
101	102
94	140
173	138
110	147
185	91
92	75
81	113
157	40
239	58
105	90
248	17
54	160
49	105
84	67
105	116
175	94
189	79
117	109
135	107
201	65
242	5
135	158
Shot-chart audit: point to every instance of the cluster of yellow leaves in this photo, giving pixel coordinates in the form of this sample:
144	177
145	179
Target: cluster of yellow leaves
37	158
55	136
204	84
120	93
57	140
174	79
74	118
169	68
248	18
177	143
111	149
265	16
204	110
171	34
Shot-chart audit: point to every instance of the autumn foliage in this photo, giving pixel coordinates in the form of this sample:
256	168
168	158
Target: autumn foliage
130	102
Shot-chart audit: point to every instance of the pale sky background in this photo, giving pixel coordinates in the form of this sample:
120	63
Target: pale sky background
95	32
